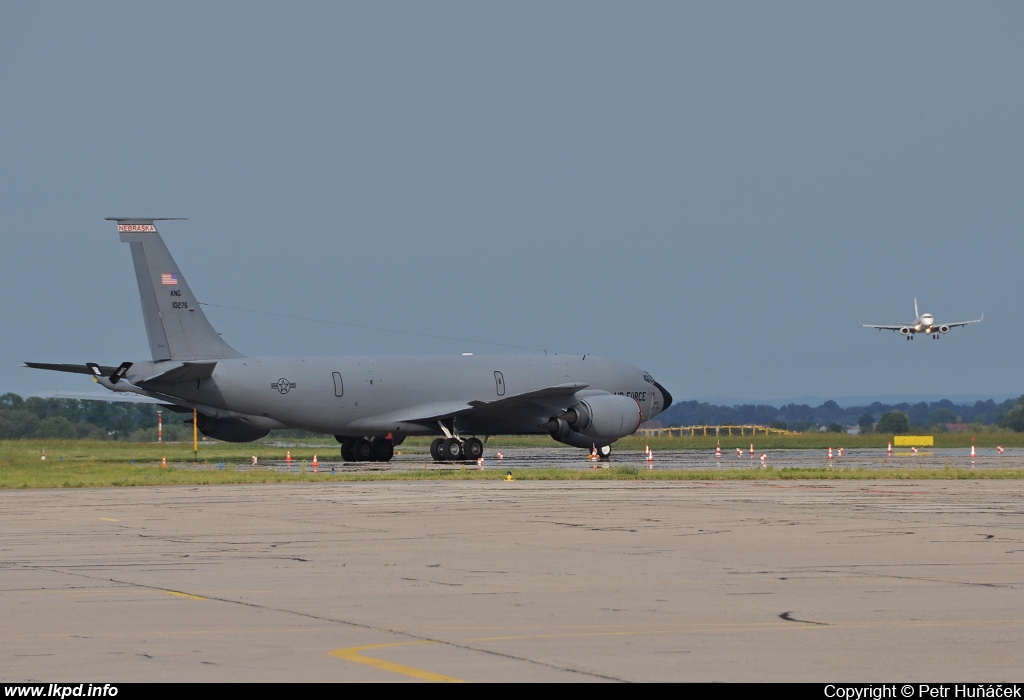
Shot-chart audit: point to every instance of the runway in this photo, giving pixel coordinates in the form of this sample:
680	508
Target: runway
485	581
572	458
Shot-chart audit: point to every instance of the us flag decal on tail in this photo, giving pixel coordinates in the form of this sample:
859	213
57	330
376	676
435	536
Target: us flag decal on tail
168	279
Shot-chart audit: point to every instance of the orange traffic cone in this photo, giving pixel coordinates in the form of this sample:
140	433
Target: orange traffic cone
316	465
593	451
163	463
288	458
43	457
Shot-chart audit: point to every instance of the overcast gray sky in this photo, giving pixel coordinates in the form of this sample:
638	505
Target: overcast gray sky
718	192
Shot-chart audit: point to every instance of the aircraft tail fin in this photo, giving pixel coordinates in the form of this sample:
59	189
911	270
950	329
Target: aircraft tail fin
176	326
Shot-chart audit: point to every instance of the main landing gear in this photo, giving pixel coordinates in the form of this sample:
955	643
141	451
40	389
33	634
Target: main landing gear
366	449
454	450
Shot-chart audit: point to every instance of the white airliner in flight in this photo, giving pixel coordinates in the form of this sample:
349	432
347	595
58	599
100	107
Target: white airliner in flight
924	323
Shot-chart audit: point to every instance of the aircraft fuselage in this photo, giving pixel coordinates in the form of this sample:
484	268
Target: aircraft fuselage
375	395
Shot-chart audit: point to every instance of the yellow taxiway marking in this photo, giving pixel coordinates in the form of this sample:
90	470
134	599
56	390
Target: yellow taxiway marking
111	520
186	595
355	654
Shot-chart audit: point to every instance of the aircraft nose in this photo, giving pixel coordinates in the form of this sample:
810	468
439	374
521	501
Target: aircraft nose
666	398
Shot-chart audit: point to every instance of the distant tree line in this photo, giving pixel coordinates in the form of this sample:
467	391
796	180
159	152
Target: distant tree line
36	417
831	416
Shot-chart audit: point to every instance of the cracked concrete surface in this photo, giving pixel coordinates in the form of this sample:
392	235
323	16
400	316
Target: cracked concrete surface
506	581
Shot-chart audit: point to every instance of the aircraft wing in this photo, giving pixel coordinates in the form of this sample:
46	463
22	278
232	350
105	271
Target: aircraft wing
964	323
442	410
888	328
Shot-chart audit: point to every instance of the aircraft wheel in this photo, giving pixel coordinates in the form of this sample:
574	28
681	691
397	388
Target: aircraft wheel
361	450
451	450
381	450
473	449
435	449
346	449
604	451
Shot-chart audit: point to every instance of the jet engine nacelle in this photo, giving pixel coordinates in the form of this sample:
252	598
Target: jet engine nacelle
943	329
228	429
601	419
905	330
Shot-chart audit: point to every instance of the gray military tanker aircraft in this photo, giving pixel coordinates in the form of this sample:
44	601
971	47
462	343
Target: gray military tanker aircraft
369	403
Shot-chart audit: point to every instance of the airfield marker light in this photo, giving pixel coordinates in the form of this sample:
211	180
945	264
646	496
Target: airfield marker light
739	452
999	449
501	455
718	450
316	465
830	453
840	451
763	458
913	451
508	476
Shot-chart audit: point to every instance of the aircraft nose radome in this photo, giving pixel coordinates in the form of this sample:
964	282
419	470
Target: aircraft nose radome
666	398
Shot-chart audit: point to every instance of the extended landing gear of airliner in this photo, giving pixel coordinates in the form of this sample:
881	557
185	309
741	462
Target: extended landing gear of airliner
455	450
366	450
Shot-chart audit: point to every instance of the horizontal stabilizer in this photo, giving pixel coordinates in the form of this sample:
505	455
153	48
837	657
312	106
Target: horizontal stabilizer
81	368
182	372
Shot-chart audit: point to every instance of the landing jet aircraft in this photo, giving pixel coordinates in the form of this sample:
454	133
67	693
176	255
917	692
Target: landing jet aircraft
369	403
924	323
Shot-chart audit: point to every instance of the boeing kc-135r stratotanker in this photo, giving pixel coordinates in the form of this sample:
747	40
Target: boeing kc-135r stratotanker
370	404
924	323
